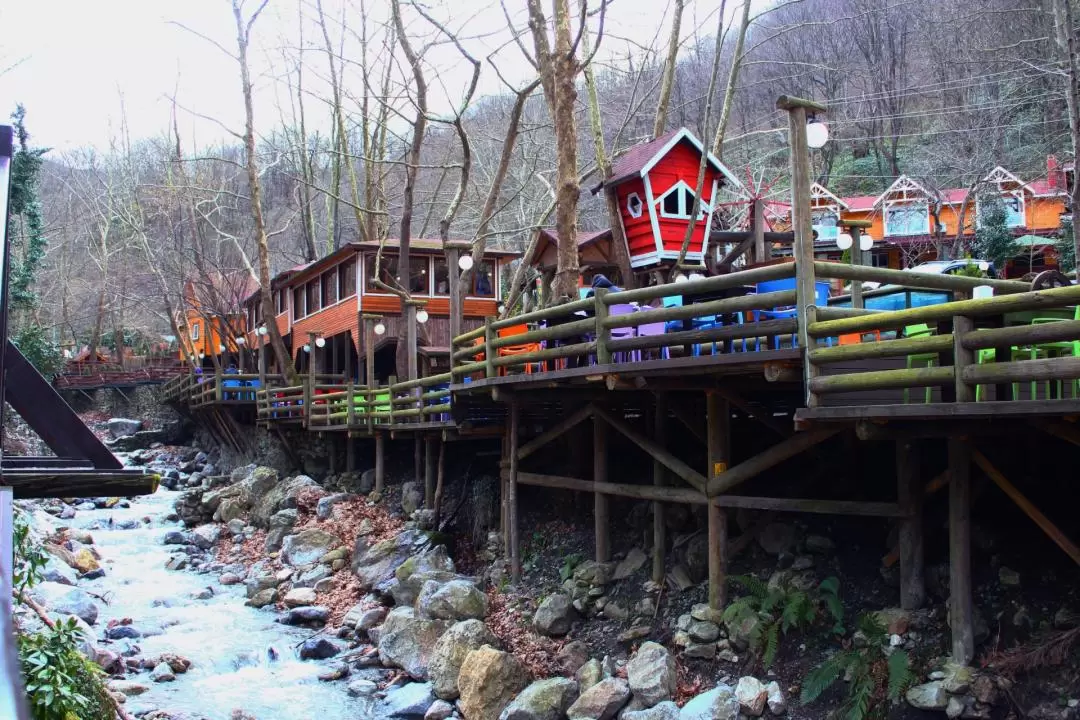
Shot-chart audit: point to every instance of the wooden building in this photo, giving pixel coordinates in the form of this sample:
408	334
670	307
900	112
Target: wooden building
209	322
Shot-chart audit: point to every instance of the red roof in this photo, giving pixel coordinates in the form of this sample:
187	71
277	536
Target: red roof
861	202
954	196
637	157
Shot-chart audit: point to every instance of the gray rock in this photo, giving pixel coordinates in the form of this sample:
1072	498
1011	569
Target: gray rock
600	702
280	496
1008	577
235	526
262	598
778	537
205	537
409	578
589	674
955	708
307	546
367	481
651	674
362	688
439	710
325	507
127	687
229	579
57	571
703	632
450	651
300	597
700	651
571	657
555	615
928	696
412	498
162	673
542	700
281	524
318	649
695	560
313	576
775	698
488	682
307	615
591	572
123	427
407	641
454	600
67	600
664	711
122	632
751	695
377	564
408	701
630	564
258	583
175	537
716	704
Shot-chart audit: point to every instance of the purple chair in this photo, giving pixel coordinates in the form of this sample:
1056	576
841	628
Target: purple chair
651	330
623	332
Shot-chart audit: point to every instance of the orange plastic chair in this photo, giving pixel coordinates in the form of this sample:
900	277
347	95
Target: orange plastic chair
522	349
856	338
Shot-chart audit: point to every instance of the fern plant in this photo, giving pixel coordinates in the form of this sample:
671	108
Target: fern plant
875	674
778	609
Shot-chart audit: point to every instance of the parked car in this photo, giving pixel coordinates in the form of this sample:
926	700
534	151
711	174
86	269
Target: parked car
939	267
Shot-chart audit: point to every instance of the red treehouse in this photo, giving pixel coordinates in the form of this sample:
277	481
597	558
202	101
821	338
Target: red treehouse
654	184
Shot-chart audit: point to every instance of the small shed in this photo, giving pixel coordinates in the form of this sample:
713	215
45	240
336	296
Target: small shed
654	184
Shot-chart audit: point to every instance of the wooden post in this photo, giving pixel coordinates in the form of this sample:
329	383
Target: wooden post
757	227
369	352
802	225
960	603
349	375
410	338
910	498
418	458
962	357
350	453
858	258
262	361
511	487
718	415
659	529
603	334
331	454
380	462
454	248
313	356
219	387
242	355
504	493
429	472
600	500
489	360
350	407
441	476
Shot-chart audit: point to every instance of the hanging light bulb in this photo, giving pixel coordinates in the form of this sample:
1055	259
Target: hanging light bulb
866	241
696	276
844	241
221	348
465	262
202	356
263	330
421	316
379	328
307	348
817	134
681	278
320	342
241	340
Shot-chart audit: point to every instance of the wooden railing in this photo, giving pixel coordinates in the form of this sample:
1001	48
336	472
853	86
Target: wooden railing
399	403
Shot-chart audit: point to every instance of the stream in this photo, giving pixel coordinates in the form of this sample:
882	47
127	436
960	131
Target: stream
227	642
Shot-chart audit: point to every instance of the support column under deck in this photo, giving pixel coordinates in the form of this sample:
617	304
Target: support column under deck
429	472
910	545
512	508
659	529
380	462
718	430
960	602
600	500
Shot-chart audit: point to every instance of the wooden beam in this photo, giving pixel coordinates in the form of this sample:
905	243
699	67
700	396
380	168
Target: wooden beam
680	413
762	252
718	431
739	250
884	380
810	505
1048	527
910	545
511	487
672	463
380	462
881	349
600	500
637	492
556	430
1066	431
659	528
755	412
776	454
961	617
429	471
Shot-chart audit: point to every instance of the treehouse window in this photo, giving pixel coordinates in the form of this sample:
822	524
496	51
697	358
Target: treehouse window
195	328
907	220
329	288
312	296
678	202
297	303
387	271
441	276
347	279
633	205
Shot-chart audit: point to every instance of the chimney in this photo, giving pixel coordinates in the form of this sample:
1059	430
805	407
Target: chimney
1054	174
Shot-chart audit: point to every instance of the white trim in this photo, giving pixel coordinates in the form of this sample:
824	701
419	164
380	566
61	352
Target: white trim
625	239
819	191
1000	174
1007	195
679	186
643	260
640	205
708	221
685	134
900	203
652	215
901	184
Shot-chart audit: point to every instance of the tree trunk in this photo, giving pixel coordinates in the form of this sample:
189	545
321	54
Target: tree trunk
733	78
670	64
1065	33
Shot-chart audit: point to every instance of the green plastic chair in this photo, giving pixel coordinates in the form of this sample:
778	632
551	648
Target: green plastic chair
1063	348
919	360
988	355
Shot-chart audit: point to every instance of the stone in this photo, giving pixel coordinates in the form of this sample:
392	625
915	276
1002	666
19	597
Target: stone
775	698
367	481
407	641
600	702
362	688
1008	577
85	561
298	597
57	571
594	573
259	582
123	427
572	656
341	553
231	510
412	498
928	696
439	710
408	701
280	496
454	600
175	537
306	615
630	564
895	620
281	524
121	632
205	537
680	577
312	576
589	674
742	632
430	564
235	526
703	632
703	613
752	696
695	557
229	579
67	600
450	651
700	651
954	708
325	507
778	537
370	618
615	610
716	704
542	700
307	546
377	564
555	615
651	674
318	649
634	633
176	562
262	598
162	673
127	688
819	544
664	711
488	681
957	680
984	690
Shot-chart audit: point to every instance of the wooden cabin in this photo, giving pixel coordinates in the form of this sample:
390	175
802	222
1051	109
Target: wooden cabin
595	257
654	184
325	300
208	322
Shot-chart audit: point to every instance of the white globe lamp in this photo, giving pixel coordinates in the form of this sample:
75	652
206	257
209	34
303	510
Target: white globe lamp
817	134
307	348
866	241
465	262
379	328
320	342
421	316
844	241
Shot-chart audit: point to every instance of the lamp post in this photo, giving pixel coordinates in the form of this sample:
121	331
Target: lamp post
457	261
859	242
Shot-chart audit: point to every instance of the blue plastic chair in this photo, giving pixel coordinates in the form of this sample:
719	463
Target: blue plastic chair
821	298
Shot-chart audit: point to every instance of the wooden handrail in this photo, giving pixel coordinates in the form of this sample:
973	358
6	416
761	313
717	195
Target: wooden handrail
914	280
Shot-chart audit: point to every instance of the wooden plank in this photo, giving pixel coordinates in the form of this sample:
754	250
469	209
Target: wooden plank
908	279
881	349
1044	523
1062	331
963	358
704	285
771	457
718	432
555	431
659	536
669	460
910	544
961	617
810	505
742	303
638	492
30	483
600	500
513	431
883	379
940	411
766	328
1061	368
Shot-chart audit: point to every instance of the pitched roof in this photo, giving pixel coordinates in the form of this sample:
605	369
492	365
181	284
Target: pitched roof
639	159
551	236
428	245
861	202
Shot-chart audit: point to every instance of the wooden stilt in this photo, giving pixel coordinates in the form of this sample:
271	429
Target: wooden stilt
512	508
910	495
718	430
600	501
659	535
380	462
429	471
960	604
504	493
440	475
332	454
418	458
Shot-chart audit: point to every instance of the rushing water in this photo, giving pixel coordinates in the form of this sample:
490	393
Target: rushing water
228	643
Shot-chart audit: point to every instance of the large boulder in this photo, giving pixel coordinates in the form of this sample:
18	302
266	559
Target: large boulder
716	704
432	563
412	498
555	615
259	480
205	537
376	564
449	654
454	600
407	701
281	524
123	427
543	700
489	680
67	600
407	641
57	571
652	674
602	701
664	711
928	696
280	496
752	696
307	546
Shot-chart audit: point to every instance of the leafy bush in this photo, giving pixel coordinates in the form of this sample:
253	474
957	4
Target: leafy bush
993	239
1065	247
876	673
780	608
35	344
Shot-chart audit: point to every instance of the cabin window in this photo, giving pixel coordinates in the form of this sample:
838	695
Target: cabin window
907	220
387	271
282	301
1014	211
298	303
329	288
418	273
419	277
633	205
678	202
441	276
826	223
483	280
312	296
347	279
195	328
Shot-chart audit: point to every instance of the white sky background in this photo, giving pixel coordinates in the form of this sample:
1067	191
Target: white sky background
78	58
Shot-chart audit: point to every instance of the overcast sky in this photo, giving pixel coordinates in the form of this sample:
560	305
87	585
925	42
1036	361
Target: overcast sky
75	61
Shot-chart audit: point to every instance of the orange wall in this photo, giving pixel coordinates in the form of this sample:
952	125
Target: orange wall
327	322
391	304
210	334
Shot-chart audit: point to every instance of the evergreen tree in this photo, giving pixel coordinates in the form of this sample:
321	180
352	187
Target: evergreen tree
1065	247
994	240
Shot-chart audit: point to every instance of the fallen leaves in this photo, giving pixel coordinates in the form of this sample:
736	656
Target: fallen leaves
536	652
